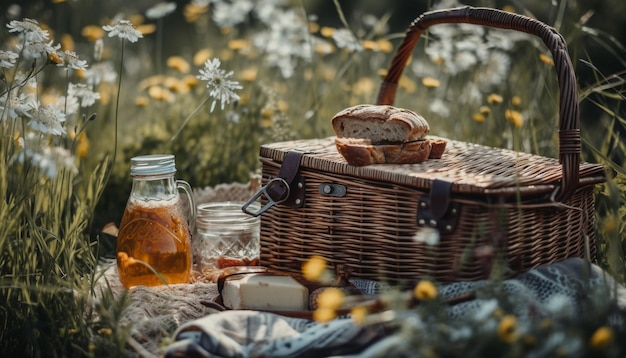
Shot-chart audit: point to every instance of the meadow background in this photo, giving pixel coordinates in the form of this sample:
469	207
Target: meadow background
298	63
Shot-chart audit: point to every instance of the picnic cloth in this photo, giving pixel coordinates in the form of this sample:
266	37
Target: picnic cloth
535	293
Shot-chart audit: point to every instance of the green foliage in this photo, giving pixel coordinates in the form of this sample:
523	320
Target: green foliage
504	94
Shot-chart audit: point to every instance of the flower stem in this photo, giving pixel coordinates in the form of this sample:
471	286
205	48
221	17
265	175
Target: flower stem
180	129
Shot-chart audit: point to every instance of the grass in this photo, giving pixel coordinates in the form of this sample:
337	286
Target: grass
60	188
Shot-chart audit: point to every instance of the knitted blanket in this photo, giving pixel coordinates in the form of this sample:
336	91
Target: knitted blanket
559	291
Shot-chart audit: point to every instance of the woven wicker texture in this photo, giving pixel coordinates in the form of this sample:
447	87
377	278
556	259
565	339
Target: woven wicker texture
528	209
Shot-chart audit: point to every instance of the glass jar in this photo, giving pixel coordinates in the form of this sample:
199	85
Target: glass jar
226	236
154	240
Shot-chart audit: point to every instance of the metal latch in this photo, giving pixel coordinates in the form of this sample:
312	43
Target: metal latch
287	188
333	189
437	210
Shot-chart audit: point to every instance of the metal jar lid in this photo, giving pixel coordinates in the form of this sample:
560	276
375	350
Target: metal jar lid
153	164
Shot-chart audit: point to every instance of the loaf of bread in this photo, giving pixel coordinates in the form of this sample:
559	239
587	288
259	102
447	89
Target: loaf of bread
383	134
382	124
360	152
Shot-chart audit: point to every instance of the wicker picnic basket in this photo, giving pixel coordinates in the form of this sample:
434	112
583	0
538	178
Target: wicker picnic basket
483	202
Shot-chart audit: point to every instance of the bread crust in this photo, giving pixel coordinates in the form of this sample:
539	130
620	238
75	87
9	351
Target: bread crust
438	146
380	123
361	152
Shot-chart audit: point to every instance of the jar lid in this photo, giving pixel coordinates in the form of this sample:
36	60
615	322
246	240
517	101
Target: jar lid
153	164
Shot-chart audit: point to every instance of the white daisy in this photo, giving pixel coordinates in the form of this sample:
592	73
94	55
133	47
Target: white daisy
7	59
160	10
71	60
29	29
218	83
47	120
123	29
84	93
345	39
16	105
231	14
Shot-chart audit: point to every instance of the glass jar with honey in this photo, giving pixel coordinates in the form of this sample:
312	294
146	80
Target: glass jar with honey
154	240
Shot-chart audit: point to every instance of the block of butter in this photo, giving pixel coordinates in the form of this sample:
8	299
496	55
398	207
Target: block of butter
265	292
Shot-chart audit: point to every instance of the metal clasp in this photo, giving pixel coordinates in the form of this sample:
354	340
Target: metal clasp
277	187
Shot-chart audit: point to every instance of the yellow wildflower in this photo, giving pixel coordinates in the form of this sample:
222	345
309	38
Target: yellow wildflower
190	81
192	11
546	59
479	117
408	84
508	8
248	74
364	86
146	29
484	110
201	56
53	57
516	101
602	337
226	54
141	101
431	82
370	45
515	117
425	290
330	297
67	42
137	19
507	329
324	48
314	268
105	331
283	106
237	44
151	81
385	45
327	31
313	27
92	32
324	314
178	63
358	314
82	148
494	98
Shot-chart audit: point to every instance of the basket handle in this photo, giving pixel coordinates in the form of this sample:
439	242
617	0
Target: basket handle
569	122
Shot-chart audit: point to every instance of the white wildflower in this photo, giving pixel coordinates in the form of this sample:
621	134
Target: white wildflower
71	60
160	10
345	39
496	70
16	105
100	72
287	39
84	93
50	160
30	29
123	29
427	235
48	119
38	48
266	10
231	14
7	59
220	87
440	107
486	309
69	104
98	48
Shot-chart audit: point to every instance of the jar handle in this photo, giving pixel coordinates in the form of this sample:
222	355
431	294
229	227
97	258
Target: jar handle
181	184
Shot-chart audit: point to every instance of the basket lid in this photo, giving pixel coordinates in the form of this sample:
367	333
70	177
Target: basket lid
471	168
